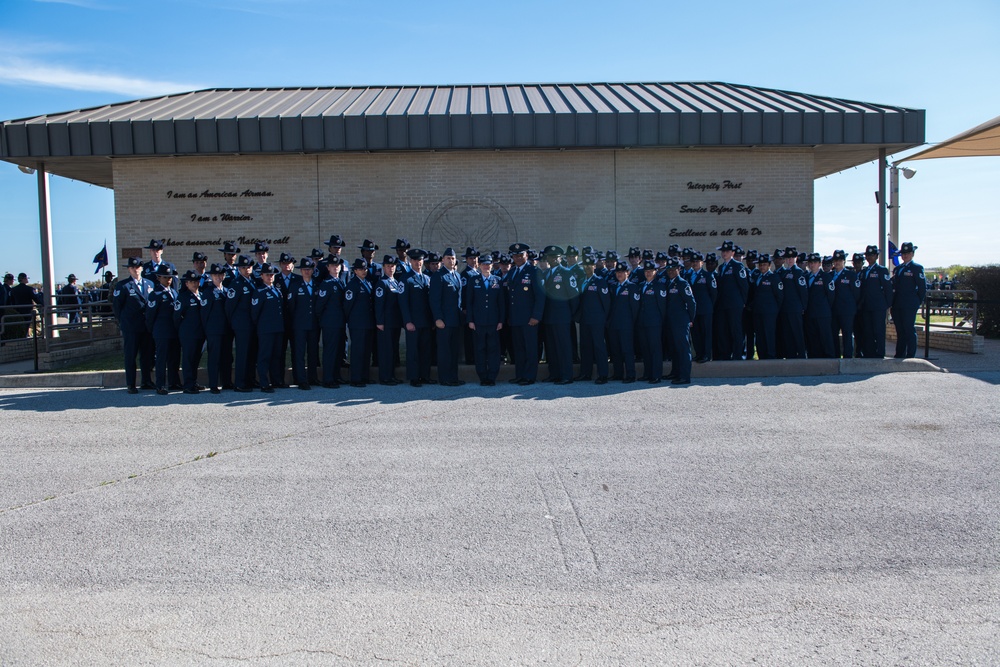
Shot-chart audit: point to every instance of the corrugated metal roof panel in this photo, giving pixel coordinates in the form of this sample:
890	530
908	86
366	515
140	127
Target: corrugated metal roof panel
250	120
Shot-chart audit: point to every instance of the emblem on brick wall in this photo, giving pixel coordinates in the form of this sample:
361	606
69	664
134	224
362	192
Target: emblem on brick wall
459	222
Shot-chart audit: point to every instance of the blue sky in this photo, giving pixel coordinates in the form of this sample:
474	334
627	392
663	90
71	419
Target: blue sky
58	55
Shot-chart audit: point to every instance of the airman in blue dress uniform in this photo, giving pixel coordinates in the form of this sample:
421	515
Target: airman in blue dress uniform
706	292
525	306
266	308
415	308
216	324
388	320
446	307
301	304
149	269
652	314
909	287
160	322
468	338
128	302
190	328
791	338
681	311
359	310
561	300
767	295
733	288
624	312
332	321
818	320
847	294
239	295
487	309
876	299
593	314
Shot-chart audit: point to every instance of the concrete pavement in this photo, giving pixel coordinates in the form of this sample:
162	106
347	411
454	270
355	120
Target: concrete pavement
846	519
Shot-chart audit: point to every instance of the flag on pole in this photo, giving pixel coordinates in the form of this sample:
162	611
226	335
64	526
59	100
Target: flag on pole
893	253
101	258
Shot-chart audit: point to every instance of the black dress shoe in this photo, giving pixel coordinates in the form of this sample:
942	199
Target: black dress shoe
428	381
656	381
454	383
147	386
672	376
215	390
680	381
243	390
702	361
601	381
614	378
200	387
191	391
162	392
581	378
548	379
133	390
491	383
416	383
561	382
484	383
305	386
331	385
628	380
388	383
176	387
526	383
516	381
358	385
230	387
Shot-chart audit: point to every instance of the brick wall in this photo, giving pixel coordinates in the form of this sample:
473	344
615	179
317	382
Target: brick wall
606	198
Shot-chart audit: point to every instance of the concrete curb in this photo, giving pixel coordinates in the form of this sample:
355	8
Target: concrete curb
769	368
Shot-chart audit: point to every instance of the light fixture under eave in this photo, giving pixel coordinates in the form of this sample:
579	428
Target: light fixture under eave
25	170
908	173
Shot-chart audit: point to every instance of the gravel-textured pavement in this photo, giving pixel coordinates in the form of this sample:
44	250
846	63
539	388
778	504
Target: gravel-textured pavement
844	520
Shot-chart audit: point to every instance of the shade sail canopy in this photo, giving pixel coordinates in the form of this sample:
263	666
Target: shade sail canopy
981	141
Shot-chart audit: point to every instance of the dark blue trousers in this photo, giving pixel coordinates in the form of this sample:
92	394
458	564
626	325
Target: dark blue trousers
652	351
333	355
525	340
449	347
593	349
559	351
487	352
419	350
622	353
680	352
270	359
904	319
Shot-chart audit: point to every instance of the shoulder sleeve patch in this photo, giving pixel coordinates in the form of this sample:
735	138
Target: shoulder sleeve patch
802	281
177	305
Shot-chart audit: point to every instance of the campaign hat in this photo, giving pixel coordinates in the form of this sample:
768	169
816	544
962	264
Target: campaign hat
401	244
230	248
199	257
191	275
359	263
335	241
243	261
155	245
368	245
306	263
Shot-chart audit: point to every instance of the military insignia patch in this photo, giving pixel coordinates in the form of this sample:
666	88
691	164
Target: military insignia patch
151	303
572	282
117	292
781	285
379	292
743	273
253	302
802	281
348	295
604	290
663	292
637	296
687	290
322	294
177	305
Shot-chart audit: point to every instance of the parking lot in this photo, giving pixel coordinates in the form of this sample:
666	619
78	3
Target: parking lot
843	520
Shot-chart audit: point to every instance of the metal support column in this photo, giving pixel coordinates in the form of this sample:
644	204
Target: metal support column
883	249
48	266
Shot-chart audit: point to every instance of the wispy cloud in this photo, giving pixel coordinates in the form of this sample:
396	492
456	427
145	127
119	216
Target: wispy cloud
20	71
86	4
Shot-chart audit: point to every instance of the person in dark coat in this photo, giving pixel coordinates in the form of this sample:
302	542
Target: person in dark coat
160	307
332	322
446	309
486	307
286	281
415	309
128	302
471	269
909	287
768	292
625	299
681	312
876	299
239	296
266	313
525	305
360	314
592	314
70	300
301	304
847	294
215	324
190	328
388	320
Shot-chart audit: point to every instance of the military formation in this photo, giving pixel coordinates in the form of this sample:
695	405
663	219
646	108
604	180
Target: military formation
560	305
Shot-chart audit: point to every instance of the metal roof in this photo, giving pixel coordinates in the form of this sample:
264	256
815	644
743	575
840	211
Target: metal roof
250	121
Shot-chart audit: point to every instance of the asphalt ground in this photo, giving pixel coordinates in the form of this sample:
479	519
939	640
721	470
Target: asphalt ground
784	521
